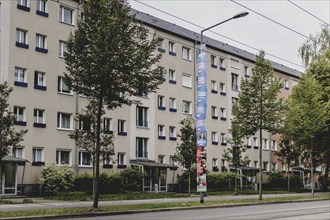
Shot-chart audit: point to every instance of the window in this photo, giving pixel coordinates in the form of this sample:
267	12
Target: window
64	121
20	77
214	88
84	123
122	127
222	64
172	133
62	87
171	48
274	166
223	114
107	160
121	160
234	82
286	84
85	159
19	113
172	76
172	104
161	103
249	141
161	132
23	5
141	147
186	53
186	80
255	142
161	45
234	100
107	125
41	5
274	145
214	137
62	157
18	152
39	118
66	15
256	164
161	159
37	154
222	89
141	117
41	43
172	160
62	49
40	80
214	112
247	71
213	61
265	166
265	144
223	139
215	162
186	107
21	38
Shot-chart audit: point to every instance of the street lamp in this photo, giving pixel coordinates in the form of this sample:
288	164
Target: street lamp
200	117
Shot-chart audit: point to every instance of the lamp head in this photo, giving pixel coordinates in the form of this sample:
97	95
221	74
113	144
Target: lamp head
242	14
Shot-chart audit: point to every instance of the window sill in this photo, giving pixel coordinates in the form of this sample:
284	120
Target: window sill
64	129
173	110
142	127
286	88
172	81
39	125
186	113
108	132
247	76
161	137
85	166
63	22
223	144
214	91
248	146
223	93
214	117
40	87
255	147
41	13
65	93
121	166
172	53
24	8
20	123
161	50
223	119
109	166
38	163
223	68
122	133
161	108
215	143
187	59
214	66
215	169
21	84
172	138
41	50
22	45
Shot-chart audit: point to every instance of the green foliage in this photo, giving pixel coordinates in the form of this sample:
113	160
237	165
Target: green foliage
56	178
183	179
277	180
84	183
8	135
221	181
111	183
132	179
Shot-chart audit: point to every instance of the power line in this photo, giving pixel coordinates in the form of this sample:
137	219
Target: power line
236	41
308	12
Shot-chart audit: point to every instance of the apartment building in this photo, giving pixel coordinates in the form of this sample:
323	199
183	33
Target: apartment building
32	42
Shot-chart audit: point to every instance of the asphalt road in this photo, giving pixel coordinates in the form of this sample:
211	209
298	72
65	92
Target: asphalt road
311	210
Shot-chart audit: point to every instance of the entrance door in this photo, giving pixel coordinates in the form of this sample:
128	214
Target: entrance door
9	179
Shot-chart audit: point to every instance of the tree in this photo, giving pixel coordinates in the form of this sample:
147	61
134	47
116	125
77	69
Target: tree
8	134
258	106
287	154
233	154
306	117
315	45
185	153
111	59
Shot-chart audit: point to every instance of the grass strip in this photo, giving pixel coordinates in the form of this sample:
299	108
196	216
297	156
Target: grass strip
141	207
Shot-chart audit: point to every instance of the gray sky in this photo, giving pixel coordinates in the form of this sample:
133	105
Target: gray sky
253	30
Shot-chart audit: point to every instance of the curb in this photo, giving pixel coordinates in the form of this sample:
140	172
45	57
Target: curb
97	214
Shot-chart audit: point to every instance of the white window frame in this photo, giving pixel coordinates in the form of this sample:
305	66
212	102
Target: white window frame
234	82
172	103
161	101
121	158
59	156
40	78
107	159
39	116
171	46
121	125
223	113
247	71
41	41
144	147
213	60
222	87
60	118
161	130
85	159
186	80
23	3
215	162
62	87
37	154
214	136
172	75
21	36
63	48
107	124
186	53
255	142
161	159
249	141
63	15
20	113
223	138
265	144
19	152
20	75
161	43
143	112
42	5
274	145
172	131
222	62
214	85
186	107
214	111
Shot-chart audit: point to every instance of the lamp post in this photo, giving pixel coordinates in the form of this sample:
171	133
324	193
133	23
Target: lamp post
200	117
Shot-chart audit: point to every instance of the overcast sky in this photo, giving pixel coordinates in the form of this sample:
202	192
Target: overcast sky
253	30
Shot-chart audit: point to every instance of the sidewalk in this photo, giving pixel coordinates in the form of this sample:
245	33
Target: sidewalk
39	203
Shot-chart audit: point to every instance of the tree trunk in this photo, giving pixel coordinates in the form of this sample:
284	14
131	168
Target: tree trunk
189	181
288	173
236	181
97	156
260	168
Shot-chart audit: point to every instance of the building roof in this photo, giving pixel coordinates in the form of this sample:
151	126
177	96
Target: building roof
193	36
10	159
151	163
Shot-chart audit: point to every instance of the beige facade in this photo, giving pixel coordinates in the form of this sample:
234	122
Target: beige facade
32	44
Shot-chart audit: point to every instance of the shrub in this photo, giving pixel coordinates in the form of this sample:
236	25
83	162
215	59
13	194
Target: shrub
132	179
56	178
221	181
276	181
111	183
183	179
84	183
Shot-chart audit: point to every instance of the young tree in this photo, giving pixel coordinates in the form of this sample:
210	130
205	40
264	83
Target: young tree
8	135
306	117
111	59
185	153
233	154
315	46
258	106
